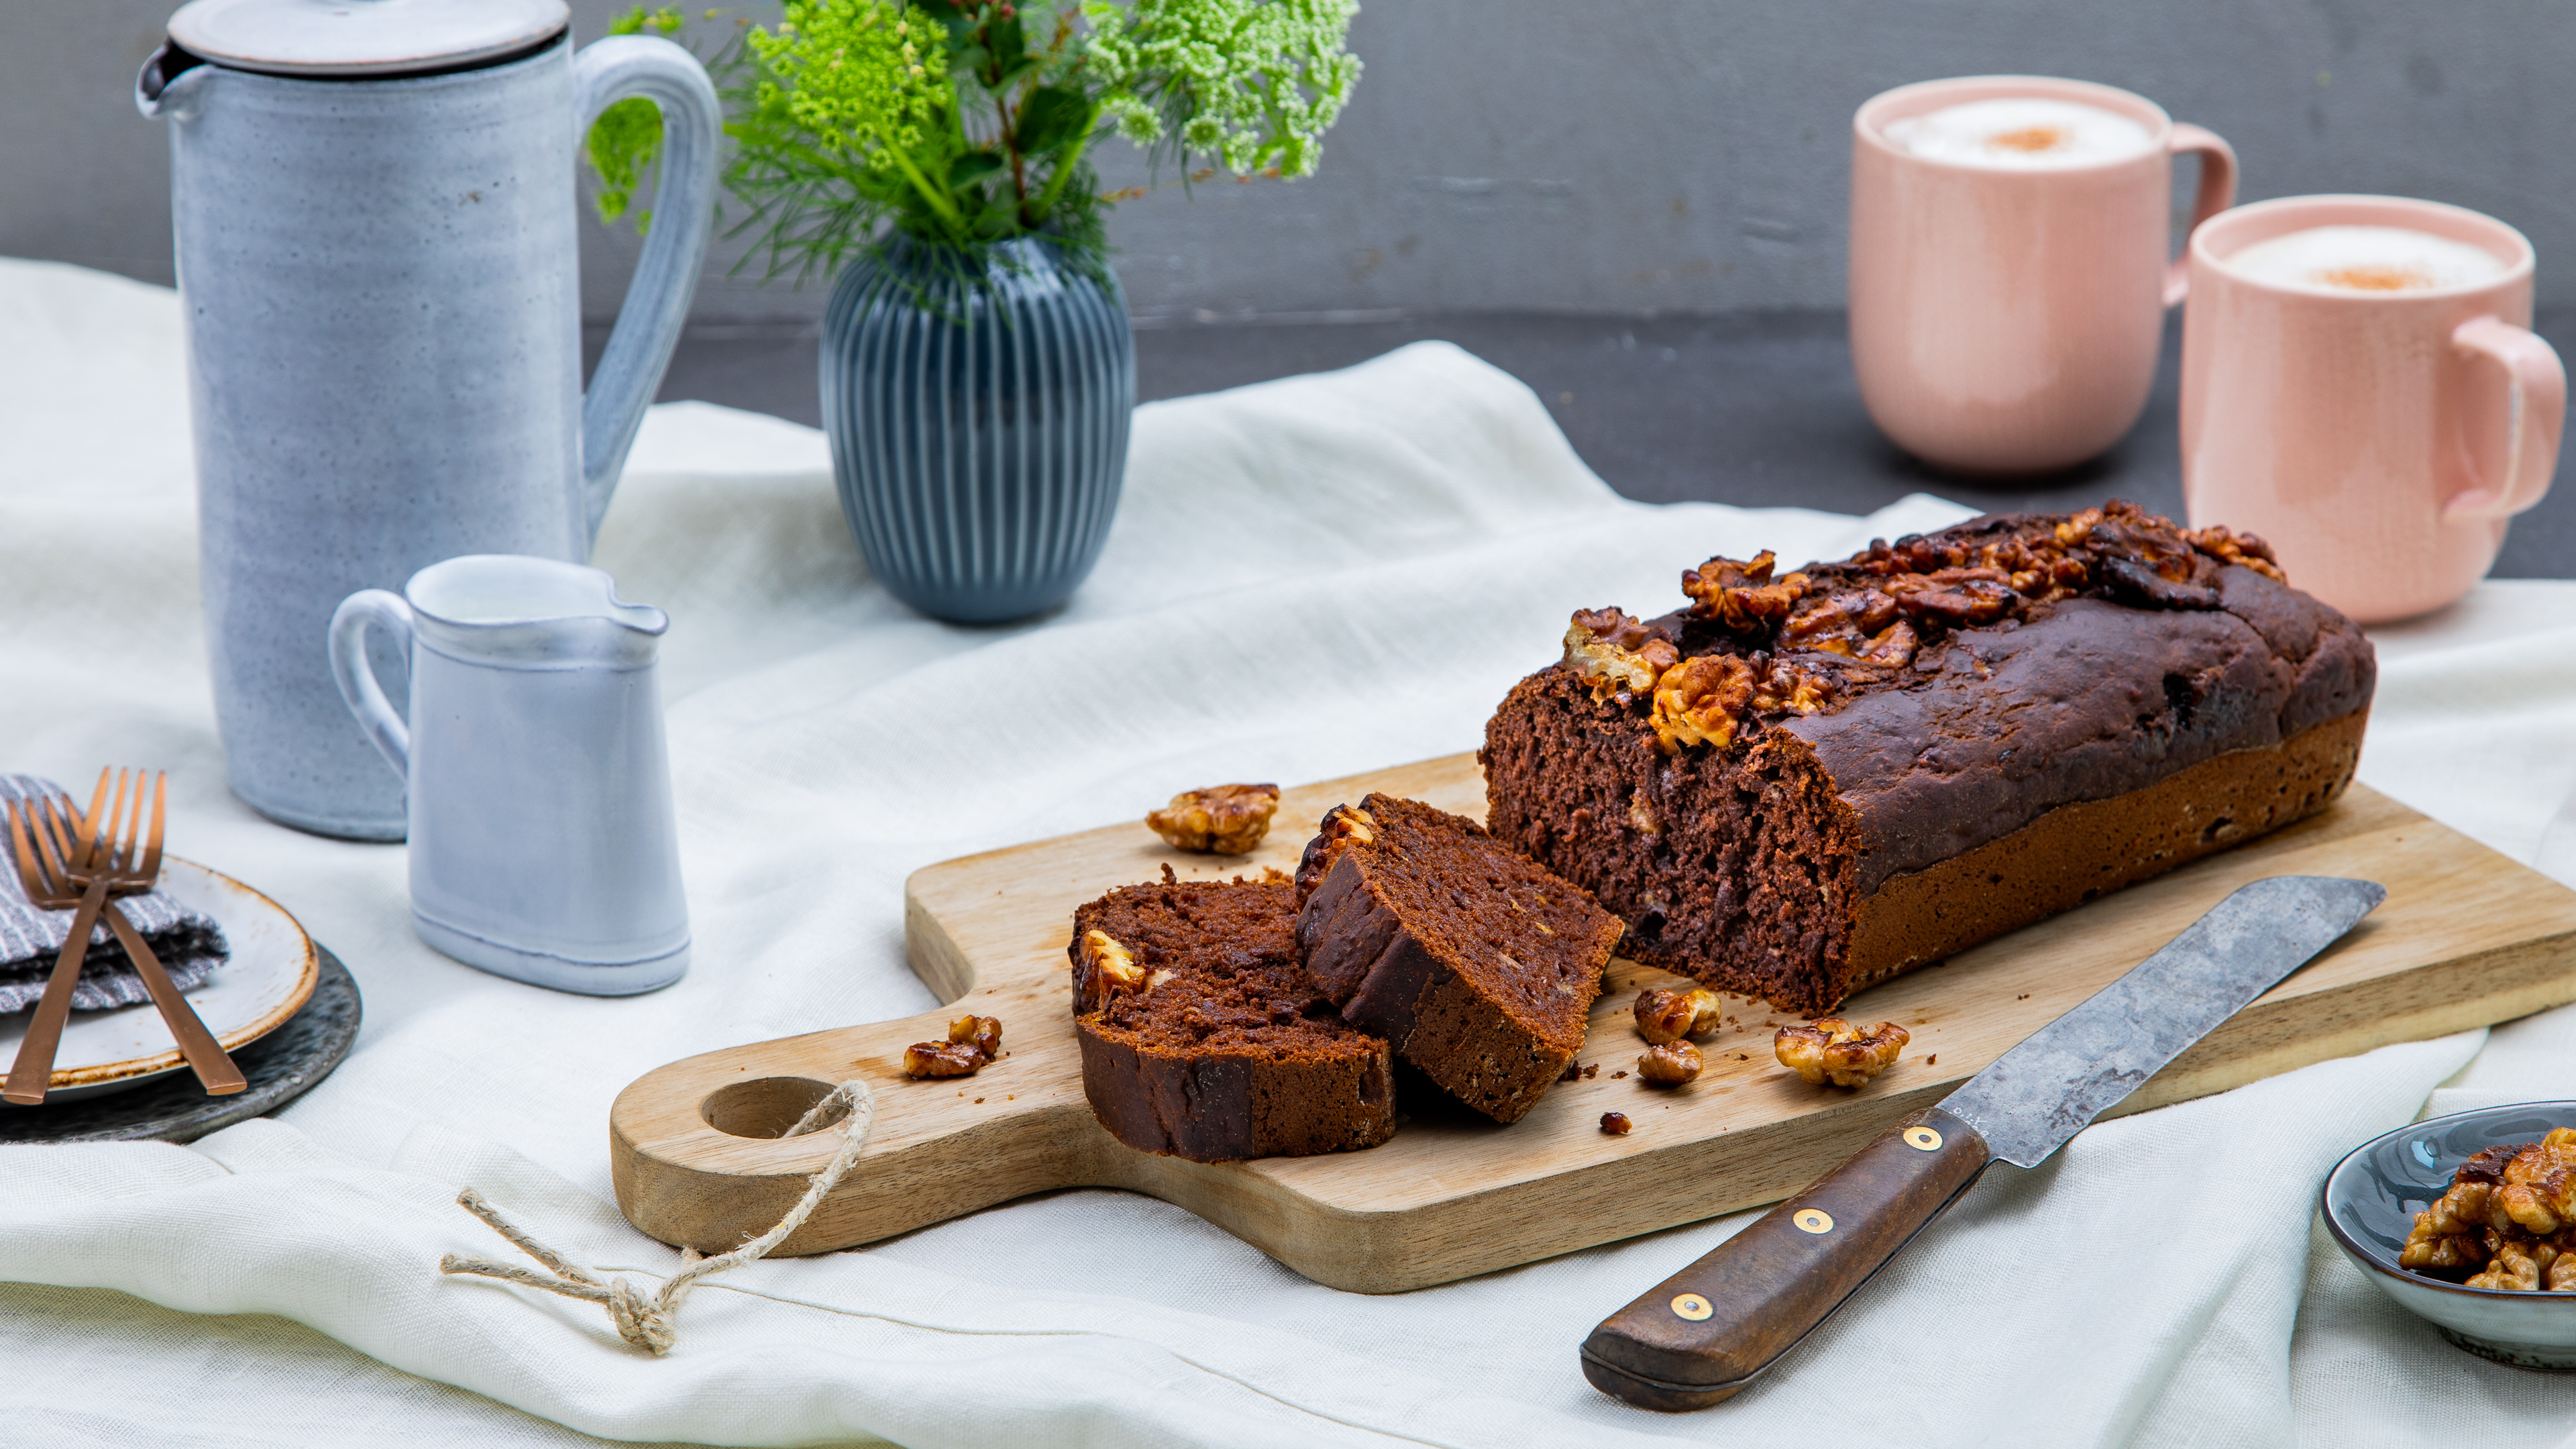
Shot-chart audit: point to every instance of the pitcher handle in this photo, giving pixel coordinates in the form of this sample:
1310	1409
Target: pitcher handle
358	686
666	276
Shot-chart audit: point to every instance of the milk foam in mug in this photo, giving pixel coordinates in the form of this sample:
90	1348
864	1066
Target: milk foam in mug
2021	133
2365	259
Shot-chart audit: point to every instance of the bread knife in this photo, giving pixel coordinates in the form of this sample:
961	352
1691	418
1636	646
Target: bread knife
1703	1334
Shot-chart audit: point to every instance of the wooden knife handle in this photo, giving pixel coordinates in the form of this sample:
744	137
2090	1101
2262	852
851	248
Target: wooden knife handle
1704	1333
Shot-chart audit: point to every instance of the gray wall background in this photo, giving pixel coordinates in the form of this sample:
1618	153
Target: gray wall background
1602	155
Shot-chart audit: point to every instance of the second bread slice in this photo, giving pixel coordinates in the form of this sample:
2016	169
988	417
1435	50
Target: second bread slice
1476	964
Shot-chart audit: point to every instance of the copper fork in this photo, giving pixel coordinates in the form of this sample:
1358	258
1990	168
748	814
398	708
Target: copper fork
80	864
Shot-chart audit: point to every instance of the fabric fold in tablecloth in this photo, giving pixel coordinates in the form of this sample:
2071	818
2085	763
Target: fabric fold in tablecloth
1306	579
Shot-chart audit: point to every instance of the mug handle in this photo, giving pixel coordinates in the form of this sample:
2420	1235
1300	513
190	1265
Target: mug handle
2537	413
358	686
2217	193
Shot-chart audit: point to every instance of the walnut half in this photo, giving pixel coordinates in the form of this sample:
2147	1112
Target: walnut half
1833	1050
1664	1016
1670	1064
1219	820
972	1041
925	1059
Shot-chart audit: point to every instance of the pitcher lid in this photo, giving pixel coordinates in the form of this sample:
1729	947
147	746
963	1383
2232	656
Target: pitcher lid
322	38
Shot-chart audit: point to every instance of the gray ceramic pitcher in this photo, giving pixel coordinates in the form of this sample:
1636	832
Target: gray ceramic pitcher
375	215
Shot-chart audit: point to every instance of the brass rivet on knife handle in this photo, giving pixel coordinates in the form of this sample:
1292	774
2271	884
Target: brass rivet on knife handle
1922	1139
1692	1307
1772	1283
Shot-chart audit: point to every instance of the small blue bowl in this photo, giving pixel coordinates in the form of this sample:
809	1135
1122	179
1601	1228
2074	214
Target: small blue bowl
2370	1201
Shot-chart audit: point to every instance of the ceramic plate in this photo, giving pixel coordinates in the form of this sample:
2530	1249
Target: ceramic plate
267	979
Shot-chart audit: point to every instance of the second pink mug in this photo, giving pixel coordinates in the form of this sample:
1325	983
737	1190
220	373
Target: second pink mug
2379	439
2007	321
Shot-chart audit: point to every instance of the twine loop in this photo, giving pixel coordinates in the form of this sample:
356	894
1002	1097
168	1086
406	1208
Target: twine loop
649	1322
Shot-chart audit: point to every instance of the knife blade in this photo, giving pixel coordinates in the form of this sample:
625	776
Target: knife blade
1703	1334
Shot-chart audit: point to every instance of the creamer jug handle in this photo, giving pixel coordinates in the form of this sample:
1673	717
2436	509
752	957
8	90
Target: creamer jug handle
357	679
666	276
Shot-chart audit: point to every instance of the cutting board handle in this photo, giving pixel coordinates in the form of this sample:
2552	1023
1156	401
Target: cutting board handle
1704	1333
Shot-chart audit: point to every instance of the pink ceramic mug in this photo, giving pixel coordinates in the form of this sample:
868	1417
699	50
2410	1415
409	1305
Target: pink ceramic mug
2007	321
2379	440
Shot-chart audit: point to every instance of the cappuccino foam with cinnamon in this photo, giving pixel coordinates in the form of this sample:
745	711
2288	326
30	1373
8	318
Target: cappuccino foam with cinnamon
2364	259
2020	133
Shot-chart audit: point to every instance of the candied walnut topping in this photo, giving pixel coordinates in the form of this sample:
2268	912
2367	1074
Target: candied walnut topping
1664	1016
1616	1123
1342	826
1698	701
1742	596
1219	820
1670	1064
1750	646
2508	1220
2221	542
1831	1049
1616	653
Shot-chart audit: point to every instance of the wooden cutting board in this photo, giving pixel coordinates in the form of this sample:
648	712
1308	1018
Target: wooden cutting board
2466	938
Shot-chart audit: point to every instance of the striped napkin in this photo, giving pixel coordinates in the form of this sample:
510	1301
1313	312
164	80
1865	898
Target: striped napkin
189	944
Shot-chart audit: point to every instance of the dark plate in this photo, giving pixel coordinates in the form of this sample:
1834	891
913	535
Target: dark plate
281	1066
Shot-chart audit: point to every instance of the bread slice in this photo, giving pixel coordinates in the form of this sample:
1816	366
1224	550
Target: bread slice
1479	966
1203	1038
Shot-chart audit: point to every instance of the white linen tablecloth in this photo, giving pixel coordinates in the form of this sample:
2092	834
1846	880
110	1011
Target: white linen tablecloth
1307	578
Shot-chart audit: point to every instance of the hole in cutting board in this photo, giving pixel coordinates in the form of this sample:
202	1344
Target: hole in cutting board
765	1106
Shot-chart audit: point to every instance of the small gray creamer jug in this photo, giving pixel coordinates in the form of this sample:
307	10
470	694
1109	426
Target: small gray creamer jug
542	841
375	216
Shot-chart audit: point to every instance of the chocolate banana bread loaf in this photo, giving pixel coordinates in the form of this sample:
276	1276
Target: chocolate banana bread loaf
1800	785
1480	967
1202	1037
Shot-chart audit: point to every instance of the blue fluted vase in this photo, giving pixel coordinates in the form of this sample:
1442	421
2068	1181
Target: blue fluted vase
978	431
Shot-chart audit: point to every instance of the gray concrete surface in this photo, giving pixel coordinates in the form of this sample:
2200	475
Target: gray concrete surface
1619	155
1749	408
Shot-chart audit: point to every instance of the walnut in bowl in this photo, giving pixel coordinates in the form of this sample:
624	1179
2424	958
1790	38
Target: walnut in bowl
2374	1200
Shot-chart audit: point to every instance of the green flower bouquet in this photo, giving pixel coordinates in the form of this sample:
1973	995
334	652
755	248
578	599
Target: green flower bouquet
932	158
965	123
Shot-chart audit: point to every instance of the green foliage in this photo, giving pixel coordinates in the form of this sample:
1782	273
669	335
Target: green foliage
625	138
1250	84
963	123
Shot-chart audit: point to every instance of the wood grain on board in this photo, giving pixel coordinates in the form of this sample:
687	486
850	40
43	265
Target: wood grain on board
2467	937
